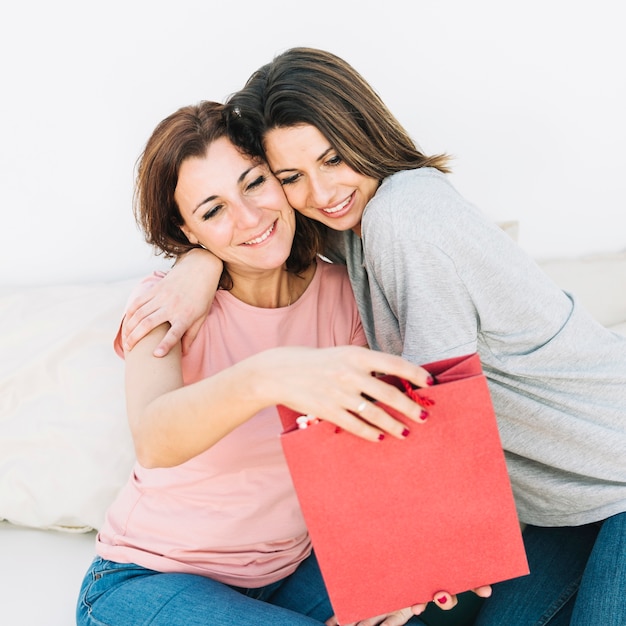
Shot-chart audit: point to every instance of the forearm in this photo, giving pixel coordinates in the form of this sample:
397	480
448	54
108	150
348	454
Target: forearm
172	423
184	421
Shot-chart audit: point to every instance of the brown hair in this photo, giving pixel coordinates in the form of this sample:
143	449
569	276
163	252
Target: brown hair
310	86
184	134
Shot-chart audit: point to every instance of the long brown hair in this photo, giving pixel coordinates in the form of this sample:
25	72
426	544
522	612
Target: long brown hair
311	86
187	133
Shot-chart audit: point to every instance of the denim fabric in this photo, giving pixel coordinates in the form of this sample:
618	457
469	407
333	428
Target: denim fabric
578	578
118	594
115	594
602	594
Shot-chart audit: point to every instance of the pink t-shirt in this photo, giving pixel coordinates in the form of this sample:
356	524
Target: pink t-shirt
231	512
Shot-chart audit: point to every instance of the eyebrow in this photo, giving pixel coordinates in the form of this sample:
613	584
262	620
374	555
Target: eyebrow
321	157
211	198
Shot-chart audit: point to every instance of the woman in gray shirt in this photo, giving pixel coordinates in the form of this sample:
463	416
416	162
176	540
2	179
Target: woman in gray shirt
433	279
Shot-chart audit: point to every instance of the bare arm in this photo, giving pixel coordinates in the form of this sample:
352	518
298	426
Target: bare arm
171	423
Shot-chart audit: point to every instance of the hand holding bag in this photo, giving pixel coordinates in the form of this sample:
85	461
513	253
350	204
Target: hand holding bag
394	522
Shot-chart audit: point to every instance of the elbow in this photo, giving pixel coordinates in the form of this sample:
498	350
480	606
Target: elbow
153	452
148	461
151	459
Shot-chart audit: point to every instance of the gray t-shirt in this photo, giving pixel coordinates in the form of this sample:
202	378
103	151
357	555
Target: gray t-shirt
434	278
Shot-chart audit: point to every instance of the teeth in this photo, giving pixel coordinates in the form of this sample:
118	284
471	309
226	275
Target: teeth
338	207
263	237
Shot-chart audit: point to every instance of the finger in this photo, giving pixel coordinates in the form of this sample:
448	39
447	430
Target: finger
371	621
373	416
140	300
172	337
133	332
349	422
483	592
398	618
418	609
191	334
398	366
395	399
445	601
142	305
332	621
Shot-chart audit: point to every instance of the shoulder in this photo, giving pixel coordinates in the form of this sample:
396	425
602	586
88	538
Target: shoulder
419	205
421	200
423	179
333	282
331	272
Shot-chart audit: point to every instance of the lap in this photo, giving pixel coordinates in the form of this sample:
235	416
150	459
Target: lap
125	594
578	578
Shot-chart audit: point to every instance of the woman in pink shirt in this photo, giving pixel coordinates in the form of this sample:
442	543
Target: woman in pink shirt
208	529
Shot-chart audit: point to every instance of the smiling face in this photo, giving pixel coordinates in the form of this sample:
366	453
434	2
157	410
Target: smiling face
235	208
315	179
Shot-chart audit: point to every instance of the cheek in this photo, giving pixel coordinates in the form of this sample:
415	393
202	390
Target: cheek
295	196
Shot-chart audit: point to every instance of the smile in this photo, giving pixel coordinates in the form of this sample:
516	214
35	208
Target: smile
261	238
337	207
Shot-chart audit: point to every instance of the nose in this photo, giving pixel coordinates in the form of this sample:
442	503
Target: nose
247	215
319	190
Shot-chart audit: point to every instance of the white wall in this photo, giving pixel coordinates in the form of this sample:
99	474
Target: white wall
529	98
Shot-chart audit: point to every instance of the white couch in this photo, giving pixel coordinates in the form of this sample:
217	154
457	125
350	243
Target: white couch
64	443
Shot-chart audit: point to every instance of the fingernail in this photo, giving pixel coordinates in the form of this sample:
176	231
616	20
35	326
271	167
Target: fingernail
442	599
430	381
337	429
381	436
406	432
423	415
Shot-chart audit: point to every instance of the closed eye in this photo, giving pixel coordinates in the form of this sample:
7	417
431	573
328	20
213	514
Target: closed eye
289	180
212	212
257	182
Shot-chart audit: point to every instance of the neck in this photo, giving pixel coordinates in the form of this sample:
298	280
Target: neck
272	289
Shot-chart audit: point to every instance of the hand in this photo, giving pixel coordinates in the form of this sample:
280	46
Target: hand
397	618
183	298
336	384
442	599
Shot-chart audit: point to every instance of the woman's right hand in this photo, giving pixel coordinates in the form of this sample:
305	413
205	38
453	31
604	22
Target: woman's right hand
337	385
183	297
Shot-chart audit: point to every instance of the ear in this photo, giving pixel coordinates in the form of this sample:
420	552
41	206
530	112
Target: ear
190	236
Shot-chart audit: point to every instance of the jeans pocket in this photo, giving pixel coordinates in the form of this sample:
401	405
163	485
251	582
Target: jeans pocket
105	575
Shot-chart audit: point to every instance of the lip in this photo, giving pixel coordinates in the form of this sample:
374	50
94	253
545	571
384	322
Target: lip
345	206
261	238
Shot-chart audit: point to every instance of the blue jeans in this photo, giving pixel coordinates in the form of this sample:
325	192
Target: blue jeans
578	578
117	594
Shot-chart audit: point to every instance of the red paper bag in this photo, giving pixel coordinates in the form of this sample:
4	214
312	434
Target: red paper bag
394	522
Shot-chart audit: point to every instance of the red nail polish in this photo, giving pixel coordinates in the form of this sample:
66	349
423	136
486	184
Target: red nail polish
381	436
442	599
337	429
423	415
430	381
405	432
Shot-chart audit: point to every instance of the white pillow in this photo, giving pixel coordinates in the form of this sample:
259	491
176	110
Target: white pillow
65	446
599	280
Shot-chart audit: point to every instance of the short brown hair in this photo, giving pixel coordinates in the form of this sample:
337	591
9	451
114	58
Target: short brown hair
184	134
